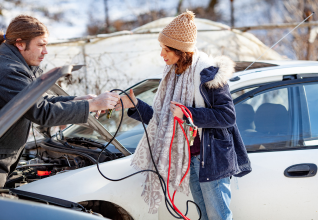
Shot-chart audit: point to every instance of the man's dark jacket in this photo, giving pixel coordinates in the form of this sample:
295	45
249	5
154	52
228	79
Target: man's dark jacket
15	75
222	151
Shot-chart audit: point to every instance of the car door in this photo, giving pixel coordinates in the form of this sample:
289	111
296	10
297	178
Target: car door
279	126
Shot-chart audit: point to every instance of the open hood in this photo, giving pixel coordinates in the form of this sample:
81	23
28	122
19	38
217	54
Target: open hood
16	108
20	104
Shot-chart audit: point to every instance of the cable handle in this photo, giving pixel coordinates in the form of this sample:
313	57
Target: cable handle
187	113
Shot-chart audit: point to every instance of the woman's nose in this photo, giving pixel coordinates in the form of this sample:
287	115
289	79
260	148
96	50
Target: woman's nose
162	53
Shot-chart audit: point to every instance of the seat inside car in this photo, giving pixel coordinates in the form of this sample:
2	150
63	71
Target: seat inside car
245	116
271	125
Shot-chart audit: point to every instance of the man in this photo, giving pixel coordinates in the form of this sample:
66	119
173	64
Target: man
21	51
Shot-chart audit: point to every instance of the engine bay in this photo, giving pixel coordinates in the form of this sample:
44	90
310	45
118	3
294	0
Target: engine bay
50	157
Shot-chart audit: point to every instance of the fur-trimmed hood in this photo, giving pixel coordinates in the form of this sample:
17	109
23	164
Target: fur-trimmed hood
218	74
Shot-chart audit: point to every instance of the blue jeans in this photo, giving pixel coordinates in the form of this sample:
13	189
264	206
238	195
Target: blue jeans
212	197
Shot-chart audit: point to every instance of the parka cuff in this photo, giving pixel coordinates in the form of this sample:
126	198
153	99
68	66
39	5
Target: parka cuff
86	103
131	111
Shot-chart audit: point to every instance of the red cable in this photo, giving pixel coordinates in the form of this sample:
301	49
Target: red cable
188	114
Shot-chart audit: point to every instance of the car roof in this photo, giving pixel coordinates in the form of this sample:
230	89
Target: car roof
275	64
264	71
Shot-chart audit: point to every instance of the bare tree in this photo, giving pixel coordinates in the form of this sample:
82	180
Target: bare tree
106	16
208	12
36	7
232	13
298	10
179	7
296	45
211	6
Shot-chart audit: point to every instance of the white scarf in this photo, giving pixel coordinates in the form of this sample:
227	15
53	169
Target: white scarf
183	89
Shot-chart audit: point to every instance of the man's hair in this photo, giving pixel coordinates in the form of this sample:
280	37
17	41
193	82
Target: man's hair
24	27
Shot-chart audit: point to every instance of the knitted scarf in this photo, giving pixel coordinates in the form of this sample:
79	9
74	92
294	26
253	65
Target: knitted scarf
160	129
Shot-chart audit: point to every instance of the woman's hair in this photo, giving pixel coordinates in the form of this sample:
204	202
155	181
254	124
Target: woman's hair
185	60
24	27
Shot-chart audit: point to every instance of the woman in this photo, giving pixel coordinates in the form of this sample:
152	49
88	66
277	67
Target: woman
199	82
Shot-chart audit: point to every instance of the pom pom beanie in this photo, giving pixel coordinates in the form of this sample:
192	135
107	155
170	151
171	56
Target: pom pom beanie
181	33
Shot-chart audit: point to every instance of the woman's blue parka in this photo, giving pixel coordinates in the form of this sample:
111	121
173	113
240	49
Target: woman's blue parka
222	151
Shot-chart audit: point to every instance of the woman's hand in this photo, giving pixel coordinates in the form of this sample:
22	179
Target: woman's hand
176	110
126	101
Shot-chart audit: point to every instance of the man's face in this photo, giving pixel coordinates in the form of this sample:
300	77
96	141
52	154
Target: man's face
36	52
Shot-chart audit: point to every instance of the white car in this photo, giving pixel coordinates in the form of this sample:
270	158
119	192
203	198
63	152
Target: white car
277	115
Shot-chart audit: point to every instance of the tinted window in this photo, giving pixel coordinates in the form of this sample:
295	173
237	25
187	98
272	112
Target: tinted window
270	120
312	104
241	92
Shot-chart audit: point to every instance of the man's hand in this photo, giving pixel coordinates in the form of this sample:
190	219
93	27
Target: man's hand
176	110
85	97
104	101
126	101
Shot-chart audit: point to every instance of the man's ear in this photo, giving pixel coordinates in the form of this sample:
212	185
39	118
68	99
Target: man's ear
20	45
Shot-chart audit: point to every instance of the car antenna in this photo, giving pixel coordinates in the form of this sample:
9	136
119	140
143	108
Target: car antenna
280	40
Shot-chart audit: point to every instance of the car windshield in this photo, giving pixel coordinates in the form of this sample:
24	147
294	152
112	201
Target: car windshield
130	131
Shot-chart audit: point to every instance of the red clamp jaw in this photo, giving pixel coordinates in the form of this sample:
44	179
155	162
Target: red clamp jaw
193	127
187	113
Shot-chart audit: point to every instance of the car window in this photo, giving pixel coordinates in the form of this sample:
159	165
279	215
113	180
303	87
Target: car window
269	120
312	103
131	130
144	91
242	92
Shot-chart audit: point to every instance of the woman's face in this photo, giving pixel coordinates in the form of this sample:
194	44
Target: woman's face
168	56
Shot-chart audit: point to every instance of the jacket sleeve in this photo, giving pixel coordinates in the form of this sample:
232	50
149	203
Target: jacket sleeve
54	99
221	115
43	112
145	110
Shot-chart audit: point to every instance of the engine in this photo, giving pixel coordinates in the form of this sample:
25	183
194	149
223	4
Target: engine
50	157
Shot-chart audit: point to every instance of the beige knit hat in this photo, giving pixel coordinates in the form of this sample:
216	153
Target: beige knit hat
181	33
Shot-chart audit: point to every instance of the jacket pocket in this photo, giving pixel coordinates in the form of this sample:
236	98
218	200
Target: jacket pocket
222	153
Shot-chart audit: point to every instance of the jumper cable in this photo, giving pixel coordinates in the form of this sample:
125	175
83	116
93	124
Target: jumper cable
193	133
156	171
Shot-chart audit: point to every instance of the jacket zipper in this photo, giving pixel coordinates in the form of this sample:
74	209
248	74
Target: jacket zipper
203	128
204	96
203	148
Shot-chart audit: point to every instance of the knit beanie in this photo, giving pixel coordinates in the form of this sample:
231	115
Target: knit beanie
181	33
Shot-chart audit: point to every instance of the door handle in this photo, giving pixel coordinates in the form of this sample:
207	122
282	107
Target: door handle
301	170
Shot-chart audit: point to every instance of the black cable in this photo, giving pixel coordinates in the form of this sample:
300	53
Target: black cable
70	151
37	149
162	182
